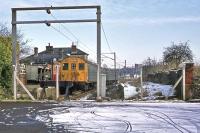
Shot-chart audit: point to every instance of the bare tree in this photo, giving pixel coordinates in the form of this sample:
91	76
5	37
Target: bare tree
25	49
4	31
149	62
177	53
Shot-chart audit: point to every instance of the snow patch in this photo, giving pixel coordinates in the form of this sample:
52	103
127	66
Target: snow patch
125	117
153	88
129	91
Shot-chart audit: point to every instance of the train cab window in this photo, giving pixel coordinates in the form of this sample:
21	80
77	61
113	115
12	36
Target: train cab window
81	66
65	66
73	66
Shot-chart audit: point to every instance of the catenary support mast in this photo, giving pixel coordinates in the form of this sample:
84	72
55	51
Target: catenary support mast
14	35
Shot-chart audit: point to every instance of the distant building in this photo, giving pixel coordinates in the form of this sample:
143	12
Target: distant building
51	53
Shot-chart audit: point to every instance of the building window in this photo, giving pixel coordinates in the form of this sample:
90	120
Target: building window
73	66
81	66
65	66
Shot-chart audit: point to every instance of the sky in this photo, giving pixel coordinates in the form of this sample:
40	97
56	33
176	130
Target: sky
135	29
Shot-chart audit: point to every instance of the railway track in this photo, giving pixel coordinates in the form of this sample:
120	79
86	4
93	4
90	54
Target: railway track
90	117
165	118
128	124
77	95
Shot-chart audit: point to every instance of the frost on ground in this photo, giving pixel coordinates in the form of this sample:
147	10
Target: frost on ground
152	89
124	117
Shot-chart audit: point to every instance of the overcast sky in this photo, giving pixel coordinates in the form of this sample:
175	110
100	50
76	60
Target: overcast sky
135	29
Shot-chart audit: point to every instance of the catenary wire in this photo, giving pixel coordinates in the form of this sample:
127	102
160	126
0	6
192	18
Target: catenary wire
104	33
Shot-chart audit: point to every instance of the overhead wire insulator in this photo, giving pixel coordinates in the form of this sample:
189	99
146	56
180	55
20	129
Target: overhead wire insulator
48	24
48	11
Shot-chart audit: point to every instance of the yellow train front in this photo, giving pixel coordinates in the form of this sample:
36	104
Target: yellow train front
77	73
73	74
74	69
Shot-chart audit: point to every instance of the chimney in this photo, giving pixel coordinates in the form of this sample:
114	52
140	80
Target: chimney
49	48
73	49
35	51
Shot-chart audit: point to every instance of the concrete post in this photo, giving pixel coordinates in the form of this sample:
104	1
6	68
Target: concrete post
57	81
103	85
98	52
14	55
141	82
14	82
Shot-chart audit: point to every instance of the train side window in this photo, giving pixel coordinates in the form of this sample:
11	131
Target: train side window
65	66
73	66
81	66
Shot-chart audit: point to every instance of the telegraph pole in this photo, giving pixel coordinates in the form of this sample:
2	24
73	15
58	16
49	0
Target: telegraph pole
125	64
115	66
124	72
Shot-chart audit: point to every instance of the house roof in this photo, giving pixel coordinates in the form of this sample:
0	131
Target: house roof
47	56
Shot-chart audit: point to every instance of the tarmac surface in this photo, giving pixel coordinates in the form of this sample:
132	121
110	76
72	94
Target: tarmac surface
19	117
93	117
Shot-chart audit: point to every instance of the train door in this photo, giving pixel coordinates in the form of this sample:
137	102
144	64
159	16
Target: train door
82	71
74	72
65	71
